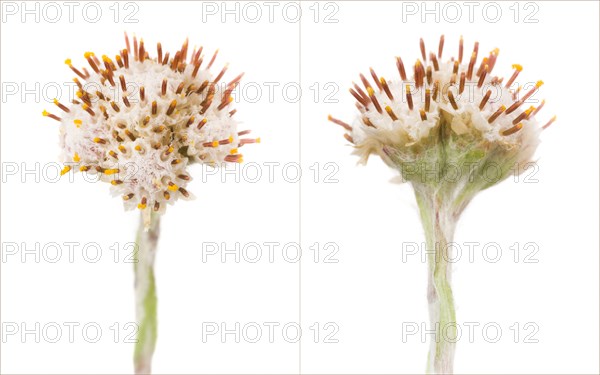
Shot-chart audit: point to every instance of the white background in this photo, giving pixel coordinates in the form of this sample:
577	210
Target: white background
374	287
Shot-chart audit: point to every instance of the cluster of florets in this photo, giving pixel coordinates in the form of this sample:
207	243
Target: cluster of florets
139	121
448	112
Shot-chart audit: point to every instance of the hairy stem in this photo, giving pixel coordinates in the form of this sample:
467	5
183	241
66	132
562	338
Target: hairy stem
439	219
145	293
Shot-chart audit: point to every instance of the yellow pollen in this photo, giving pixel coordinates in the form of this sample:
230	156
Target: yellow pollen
65	170
215	143
230	139
44	113
97	140
84	168
88	54
171	149
138	148
141	206
233	151
77	122
111	171
122	148
173	187
76	158
55	101
68	62
258	140
539	83
370	91
517	67
106	59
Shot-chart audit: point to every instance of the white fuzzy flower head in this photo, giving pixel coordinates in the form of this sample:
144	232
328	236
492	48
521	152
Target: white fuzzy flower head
140	120
450	112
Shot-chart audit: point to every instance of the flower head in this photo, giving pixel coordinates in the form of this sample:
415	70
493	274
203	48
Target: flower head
140	121
452	112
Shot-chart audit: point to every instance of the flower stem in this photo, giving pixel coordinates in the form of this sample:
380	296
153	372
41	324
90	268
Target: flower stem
145	293
439	219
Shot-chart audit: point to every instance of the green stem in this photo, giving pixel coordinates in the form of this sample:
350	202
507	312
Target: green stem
439	221
145	293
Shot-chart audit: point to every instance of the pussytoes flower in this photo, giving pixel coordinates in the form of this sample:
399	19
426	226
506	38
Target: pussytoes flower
140	119
451	129
453	113
138	122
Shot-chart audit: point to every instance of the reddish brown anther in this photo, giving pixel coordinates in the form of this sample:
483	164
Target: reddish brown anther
375	79
409	97
485	99
512	130
441	47
496	114
400	66
452	100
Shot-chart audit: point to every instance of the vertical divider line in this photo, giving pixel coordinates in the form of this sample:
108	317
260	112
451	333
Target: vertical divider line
300	187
